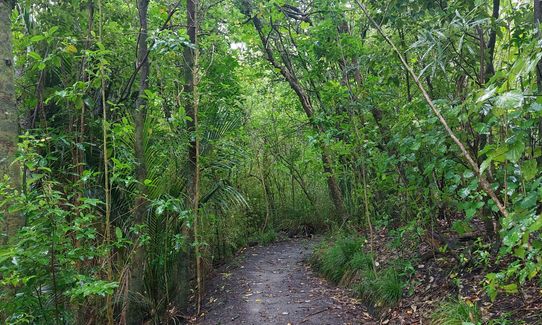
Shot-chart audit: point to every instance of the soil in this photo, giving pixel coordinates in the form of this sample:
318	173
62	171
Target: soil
275	285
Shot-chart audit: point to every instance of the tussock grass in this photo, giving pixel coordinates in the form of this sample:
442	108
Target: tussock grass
344	262
456	313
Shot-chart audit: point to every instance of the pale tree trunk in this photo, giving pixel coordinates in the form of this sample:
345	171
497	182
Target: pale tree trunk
191	106
136	281
8	113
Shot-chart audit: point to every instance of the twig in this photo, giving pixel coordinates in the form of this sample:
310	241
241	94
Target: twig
310	315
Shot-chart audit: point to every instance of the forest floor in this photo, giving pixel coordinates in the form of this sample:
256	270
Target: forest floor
275	285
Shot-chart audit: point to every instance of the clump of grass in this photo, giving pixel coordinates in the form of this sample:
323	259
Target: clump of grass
390	286
344	261
361	262
380	289
333	261
456	313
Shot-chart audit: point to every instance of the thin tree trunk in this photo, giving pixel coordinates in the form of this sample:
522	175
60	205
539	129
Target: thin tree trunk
191	79
482	54
8	113
490	67
137	281
107	191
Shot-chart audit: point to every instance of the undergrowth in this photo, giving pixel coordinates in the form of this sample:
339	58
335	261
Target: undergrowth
456	313
342	260
263	237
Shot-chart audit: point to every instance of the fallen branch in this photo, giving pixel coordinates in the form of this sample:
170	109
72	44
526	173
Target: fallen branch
313	314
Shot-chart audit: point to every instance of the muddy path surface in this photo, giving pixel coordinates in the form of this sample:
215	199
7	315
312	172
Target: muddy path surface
275	285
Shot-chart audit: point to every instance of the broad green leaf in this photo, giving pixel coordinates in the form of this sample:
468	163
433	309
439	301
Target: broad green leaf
37	38
34	56
528	169
515	151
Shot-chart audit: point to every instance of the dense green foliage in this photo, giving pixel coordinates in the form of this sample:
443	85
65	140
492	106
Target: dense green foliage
307	118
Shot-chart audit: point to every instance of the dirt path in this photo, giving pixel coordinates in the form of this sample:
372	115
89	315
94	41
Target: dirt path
273	285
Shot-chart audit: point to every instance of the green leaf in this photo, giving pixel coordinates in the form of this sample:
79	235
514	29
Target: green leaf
37	38
34	55
499	154
510	100
304	25
512	238
536	225
52	30
470	212
118	232
515	151
461	227
529	201
488	93
485	165
528	169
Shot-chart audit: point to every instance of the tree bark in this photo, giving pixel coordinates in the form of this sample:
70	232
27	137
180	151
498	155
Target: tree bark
8	114
137	282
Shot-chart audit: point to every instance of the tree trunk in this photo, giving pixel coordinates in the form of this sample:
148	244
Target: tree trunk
8	113
137	283
191	106
490	67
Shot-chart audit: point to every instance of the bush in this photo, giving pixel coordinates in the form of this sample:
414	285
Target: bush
389	286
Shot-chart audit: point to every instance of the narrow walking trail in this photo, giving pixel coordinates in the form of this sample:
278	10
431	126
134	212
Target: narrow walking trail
274	285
